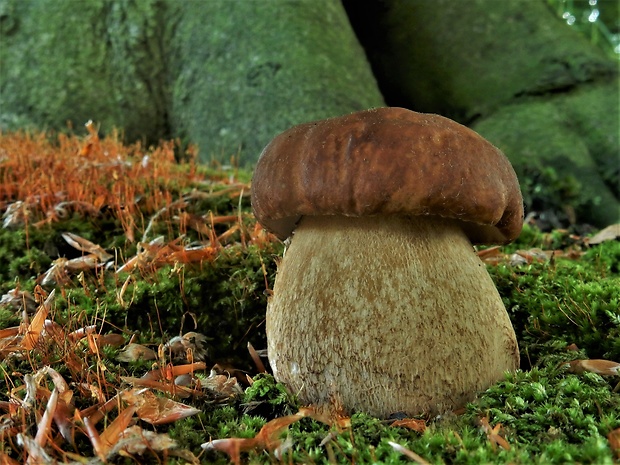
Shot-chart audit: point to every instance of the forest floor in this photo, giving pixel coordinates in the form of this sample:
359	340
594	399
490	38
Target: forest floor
134	289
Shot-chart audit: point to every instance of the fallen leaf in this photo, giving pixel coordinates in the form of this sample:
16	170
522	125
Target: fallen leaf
267	438
109	437
221	385
493	434
45	423
10	340
601	367
177	370
135	440
610	233
260	367
169	371
33	332
190	346
110	340
332	416
95	439
36	453
81	333
411	423
133	352
490	253
170	388
83	263
232	446
535	255
19	300
85	245
614	442
157	410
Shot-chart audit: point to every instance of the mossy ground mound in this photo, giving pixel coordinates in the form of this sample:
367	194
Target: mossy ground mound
161	248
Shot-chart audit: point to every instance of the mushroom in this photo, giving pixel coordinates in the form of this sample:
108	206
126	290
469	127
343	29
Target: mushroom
380	302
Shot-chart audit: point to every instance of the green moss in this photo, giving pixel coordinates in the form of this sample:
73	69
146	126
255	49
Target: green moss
568	301
548	415
224	299
545	190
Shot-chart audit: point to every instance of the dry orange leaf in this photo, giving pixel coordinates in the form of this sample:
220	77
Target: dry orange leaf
157	410
223	385
170	371
44	425
411	423
133	352
33	332
170	388
490	252
136	441
113	432
10	340
95	439
493	434
614	442
601	367
190	346
260	367
267	438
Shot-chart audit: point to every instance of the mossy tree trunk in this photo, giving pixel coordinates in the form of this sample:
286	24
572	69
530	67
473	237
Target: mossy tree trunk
69	62
226	75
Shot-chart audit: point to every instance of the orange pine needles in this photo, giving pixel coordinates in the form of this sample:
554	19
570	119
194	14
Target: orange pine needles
55	177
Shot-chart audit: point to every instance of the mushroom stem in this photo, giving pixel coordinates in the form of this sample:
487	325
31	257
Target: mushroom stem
386	314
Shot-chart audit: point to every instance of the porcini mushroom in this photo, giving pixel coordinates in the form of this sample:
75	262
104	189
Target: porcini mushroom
380	303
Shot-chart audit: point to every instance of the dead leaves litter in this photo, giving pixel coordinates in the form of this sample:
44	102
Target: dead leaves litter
609	233
27	335
268	438
496	255
614	442
411	423
493	434
155	409
600	367
57	418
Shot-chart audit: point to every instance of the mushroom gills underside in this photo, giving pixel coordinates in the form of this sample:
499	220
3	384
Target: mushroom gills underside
386	314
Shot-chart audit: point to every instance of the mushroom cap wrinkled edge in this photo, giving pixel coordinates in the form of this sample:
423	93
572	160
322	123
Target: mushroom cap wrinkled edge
388	161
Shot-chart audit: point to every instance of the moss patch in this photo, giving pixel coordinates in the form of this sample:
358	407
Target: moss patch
199	263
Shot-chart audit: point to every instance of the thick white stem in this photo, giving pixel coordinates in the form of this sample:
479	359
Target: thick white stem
386	314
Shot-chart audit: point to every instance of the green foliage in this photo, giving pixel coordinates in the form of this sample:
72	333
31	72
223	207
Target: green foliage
547	415
23	257
544	405
544	189
598	21
267	398
224	300
572	301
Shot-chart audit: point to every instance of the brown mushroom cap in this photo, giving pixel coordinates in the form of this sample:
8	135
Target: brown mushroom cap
388	161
